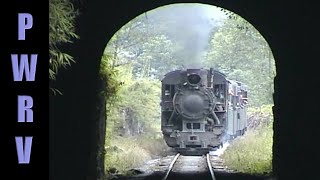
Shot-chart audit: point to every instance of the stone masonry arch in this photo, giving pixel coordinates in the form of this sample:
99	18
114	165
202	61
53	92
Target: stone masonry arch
77	118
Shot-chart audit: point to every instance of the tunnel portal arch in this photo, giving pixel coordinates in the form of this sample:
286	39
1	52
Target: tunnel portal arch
74	139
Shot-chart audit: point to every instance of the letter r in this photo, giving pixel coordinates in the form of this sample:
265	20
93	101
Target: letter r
25	112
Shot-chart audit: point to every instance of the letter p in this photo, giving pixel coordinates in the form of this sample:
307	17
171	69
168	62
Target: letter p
25	22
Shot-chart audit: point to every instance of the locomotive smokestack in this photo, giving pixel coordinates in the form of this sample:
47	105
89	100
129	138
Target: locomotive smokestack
197	75
193	71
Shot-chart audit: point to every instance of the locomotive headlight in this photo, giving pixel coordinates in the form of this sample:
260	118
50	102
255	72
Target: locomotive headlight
194	79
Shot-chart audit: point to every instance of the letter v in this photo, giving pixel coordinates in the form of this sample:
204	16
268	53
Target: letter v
24	152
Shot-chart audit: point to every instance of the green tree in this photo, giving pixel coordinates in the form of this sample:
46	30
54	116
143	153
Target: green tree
150	51
137	108
109	76
238	50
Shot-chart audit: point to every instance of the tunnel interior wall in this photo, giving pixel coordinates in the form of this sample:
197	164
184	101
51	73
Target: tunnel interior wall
74	117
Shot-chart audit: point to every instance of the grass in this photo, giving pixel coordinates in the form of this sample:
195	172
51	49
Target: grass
126	153
252	153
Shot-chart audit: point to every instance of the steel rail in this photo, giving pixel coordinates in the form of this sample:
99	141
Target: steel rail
210	167
171	166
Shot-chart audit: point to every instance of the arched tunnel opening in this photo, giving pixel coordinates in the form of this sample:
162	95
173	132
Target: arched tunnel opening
145	61
77	118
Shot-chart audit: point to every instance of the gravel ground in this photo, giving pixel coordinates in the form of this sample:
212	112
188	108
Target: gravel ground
188	167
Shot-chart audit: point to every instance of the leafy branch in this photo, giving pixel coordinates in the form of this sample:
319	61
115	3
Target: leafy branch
61	30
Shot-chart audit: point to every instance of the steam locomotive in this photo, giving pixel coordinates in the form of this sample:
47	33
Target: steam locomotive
201	109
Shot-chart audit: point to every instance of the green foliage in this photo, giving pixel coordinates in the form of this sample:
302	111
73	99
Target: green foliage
143	96
239	51
125	154
150	52
144	50
131	152
133	122
153	143
137	109
252	153
109	77
61	30
260	116
157	58
236	48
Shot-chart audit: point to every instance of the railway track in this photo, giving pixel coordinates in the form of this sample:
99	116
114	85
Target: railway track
186	167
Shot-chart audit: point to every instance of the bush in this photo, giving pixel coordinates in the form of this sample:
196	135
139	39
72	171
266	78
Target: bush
252	153
260	116
126	153
154	144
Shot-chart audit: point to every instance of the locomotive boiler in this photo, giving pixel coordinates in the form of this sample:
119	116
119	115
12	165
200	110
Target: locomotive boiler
201	109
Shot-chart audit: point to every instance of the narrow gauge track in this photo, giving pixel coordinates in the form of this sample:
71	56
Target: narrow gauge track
186	167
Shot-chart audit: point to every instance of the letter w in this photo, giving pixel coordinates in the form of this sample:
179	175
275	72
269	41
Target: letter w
24	66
